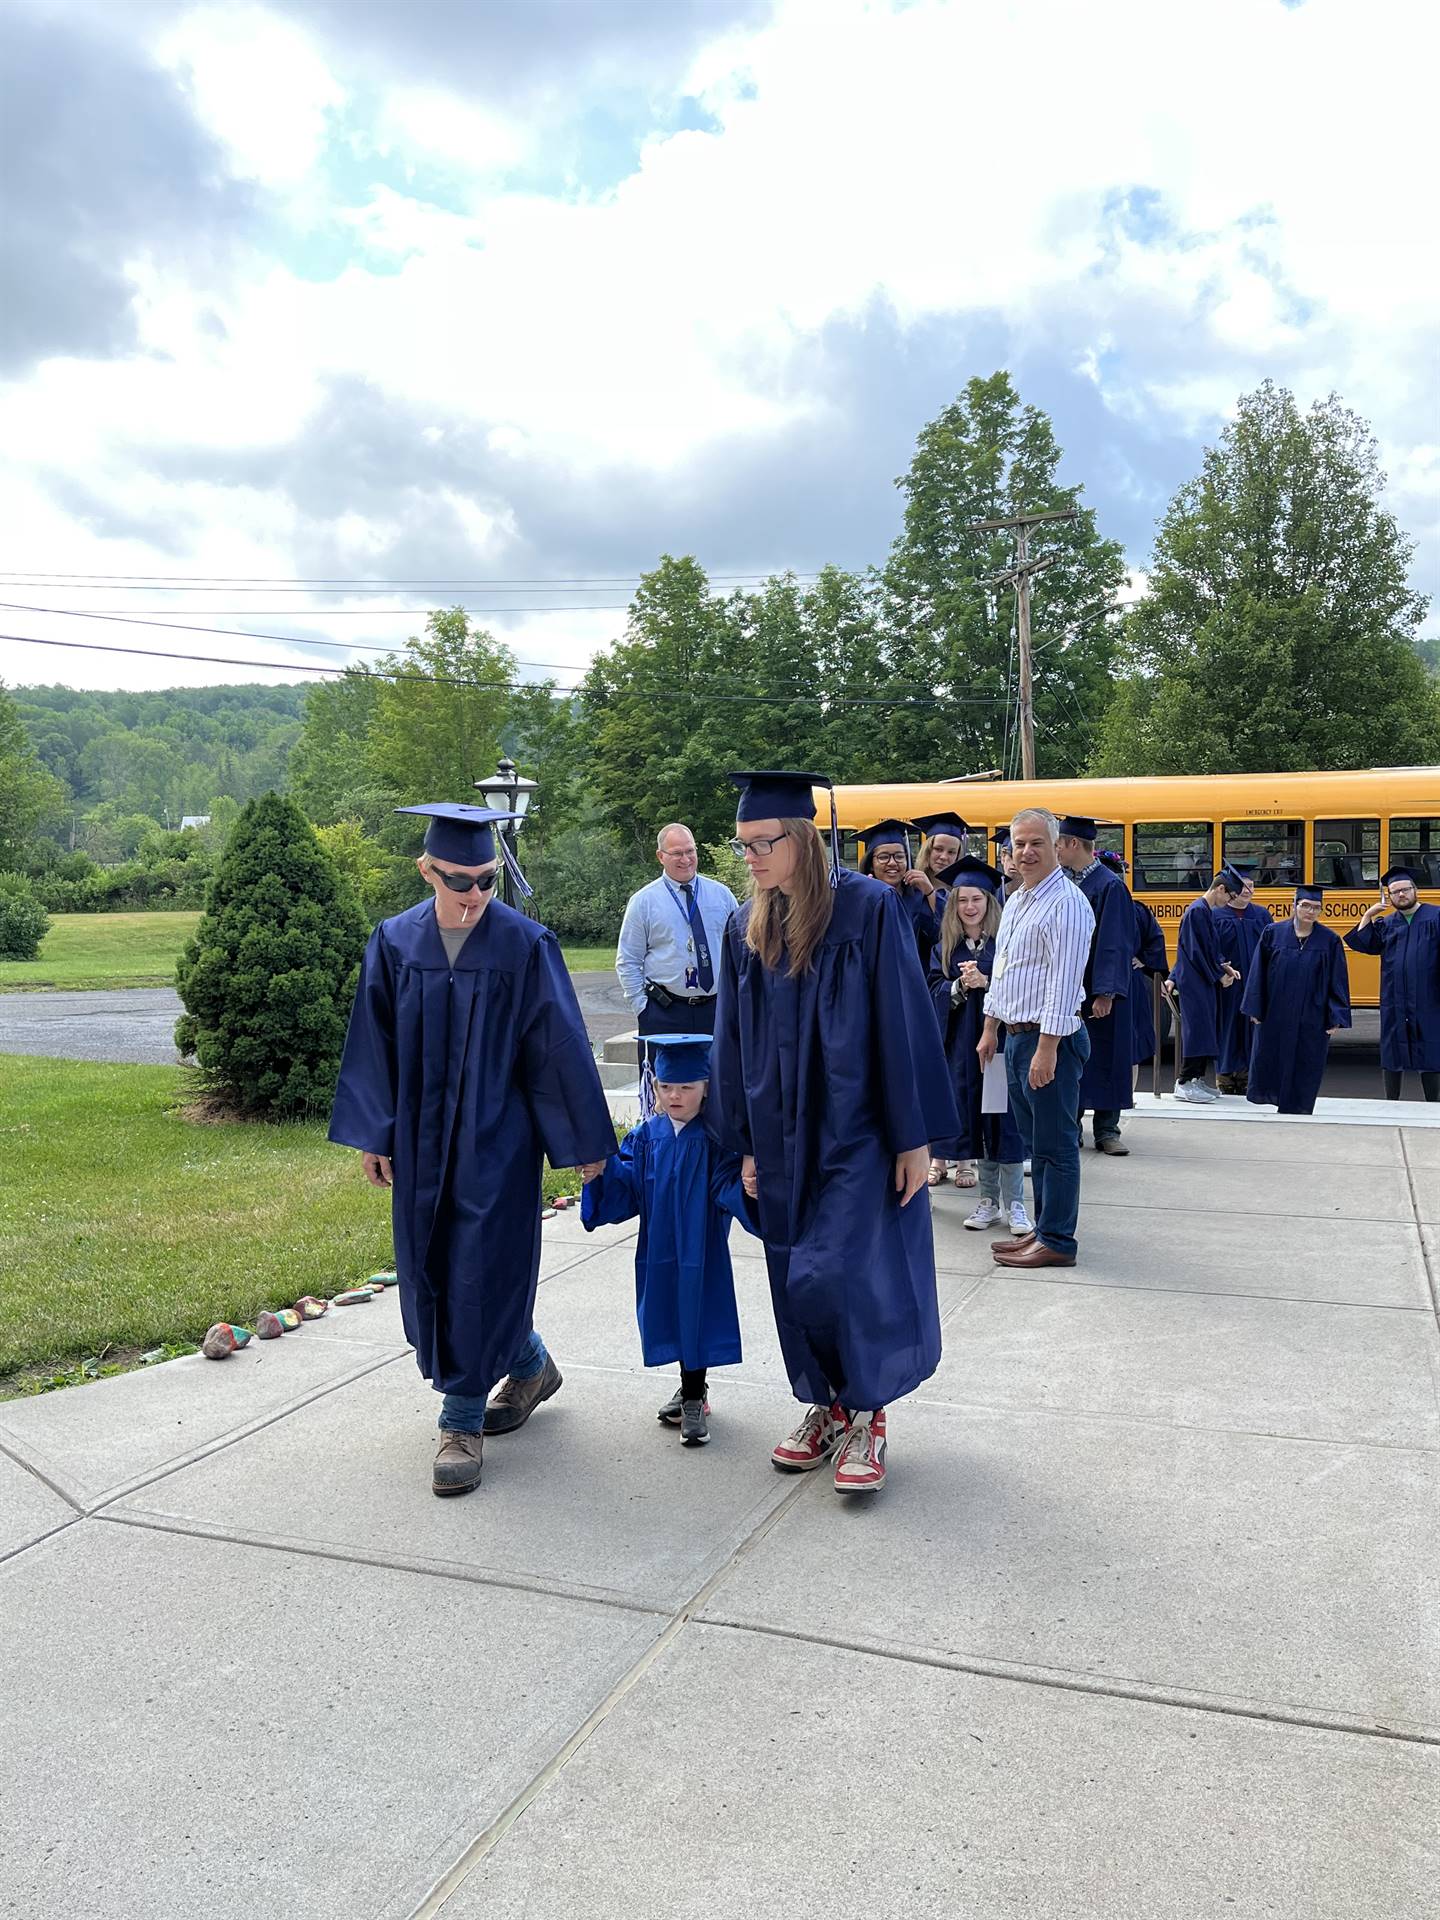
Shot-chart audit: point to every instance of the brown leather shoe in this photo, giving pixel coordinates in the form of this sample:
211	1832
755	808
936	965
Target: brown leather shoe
513	1401
457	1463
1009	1246
1034	1254
1112	1144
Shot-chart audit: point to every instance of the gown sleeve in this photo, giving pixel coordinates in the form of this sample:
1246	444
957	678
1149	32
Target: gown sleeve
1200	950
614	1195
559	1076
1366	939
1337	991
1113	948
1154	957
726	1111
363	1114
912	1078
1252	1005
727	1193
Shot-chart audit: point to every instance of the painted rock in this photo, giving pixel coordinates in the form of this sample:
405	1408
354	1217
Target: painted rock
242	1335
267	1327
547	1213
219	1343
378	1282
289	1319
562	1201
352	1297
309	1308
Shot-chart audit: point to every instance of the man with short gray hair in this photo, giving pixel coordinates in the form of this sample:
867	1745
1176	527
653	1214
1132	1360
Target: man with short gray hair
667	957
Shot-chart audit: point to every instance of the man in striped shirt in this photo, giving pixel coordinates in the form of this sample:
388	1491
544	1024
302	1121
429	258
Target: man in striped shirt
1035	993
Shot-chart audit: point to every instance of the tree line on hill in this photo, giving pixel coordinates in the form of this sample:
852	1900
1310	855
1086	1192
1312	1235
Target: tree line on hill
1276	629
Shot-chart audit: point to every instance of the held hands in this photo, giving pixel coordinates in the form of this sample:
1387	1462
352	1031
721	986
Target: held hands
592	1170
377	1169
1229	976
747	1176
912	1172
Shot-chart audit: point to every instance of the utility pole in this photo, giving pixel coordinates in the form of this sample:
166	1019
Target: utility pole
1019	576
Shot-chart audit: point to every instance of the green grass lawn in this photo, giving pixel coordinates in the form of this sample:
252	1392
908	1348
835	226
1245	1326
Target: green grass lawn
125	1227
84	950
103	950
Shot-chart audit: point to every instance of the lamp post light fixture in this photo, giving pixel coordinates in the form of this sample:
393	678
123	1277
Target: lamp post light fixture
508	791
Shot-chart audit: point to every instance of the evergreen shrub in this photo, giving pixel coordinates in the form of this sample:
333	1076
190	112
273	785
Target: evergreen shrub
23	921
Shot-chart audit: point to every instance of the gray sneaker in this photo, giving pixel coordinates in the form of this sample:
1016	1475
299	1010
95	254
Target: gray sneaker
670	1412
457	1463
513	1401
694	1432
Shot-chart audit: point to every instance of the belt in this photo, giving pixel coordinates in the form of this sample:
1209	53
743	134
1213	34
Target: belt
1022	1026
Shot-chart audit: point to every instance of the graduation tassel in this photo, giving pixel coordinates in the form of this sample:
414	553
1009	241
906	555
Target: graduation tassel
834	842
647	1086
512	866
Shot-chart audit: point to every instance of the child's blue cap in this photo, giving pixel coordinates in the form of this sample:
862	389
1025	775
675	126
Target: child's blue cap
679	1058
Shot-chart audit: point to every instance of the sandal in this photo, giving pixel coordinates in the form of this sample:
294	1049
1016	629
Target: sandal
965	1174
936	1175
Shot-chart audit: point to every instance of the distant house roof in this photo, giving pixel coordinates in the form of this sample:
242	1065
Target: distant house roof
194	820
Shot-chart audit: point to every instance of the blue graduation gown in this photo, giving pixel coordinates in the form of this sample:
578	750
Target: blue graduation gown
465	1079
1297	989
961	1024
1409	987
824	1078
1107	1083
1196	973
924	918
1239	930
1153	958
685	1191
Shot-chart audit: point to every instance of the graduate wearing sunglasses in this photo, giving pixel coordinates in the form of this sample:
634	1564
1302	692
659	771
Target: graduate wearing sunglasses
465	1064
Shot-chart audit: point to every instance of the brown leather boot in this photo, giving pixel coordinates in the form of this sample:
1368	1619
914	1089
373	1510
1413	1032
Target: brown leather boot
457	1463
513	1401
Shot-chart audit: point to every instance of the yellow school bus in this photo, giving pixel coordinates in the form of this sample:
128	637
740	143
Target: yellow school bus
1340	831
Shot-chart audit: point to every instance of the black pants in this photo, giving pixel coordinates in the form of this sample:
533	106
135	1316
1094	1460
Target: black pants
1193	1067
692	1383
1429	1085
681	1016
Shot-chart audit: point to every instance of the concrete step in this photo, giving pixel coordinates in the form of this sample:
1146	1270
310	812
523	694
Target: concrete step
624	1105
619	1048
616	1073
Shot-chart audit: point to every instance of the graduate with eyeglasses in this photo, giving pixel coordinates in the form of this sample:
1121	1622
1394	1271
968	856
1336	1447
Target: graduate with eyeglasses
1297	997
466	1064
829	1079
1407	941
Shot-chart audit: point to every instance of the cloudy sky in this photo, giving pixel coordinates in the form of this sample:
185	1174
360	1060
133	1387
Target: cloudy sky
481	291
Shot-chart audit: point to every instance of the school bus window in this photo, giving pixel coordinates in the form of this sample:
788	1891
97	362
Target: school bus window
1416	843
1172	853
1110	840
1347	853
1274	850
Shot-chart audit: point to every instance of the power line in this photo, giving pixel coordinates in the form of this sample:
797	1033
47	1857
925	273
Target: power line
319	613
489	686
335	583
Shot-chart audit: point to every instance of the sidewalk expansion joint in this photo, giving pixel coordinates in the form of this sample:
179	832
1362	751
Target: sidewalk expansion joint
1341	1443
1064	1277
485	1842
26	1546
45	1479
1058	1681
1431	1274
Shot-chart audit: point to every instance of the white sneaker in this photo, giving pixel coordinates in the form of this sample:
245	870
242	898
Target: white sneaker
1196	1093
1028	1166
1020	1221
985	1215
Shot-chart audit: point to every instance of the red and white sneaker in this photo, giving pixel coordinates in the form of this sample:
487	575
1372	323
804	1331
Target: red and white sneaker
860	1467
812	1442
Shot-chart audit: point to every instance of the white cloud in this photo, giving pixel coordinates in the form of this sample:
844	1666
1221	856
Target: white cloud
1175	203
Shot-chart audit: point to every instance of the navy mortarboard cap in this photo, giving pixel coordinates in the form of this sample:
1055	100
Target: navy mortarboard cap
887	833
458	832
950	823
772	795
1002	837
1228	878
967	871
1400	873
679	1058
1238	866
1081	827
1317	894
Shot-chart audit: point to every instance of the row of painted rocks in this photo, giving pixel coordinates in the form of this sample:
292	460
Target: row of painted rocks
223	1339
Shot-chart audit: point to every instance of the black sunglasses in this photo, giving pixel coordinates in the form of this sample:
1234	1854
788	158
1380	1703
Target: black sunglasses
463	882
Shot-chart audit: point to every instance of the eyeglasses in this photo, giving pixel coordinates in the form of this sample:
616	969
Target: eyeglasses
892	858
760	848
463	882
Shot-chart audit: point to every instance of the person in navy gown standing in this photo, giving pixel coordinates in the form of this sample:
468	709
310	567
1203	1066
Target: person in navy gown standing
1201	975
1239	924
466	1063
887	858
1408	943
1107	1086
959	975
1297	996
829	1079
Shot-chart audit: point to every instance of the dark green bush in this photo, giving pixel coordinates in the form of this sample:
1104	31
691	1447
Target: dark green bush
582	880
269	975
23	921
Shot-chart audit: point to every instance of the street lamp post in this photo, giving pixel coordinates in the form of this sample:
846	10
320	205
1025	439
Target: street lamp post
508	791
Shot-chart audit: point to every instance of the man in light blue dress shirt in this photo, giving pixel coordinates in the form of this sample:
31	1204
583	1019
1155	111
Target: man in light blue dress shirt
668	955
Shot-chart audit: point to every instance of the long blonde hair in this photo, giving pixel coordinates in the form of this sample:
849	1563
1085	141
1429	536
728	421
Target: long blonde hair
796	921
952	928
925	859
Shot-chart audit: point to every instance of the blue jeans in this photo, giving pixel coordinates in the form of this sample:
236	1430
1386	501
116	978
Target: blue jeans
465	1412
1002	1182
1050	1131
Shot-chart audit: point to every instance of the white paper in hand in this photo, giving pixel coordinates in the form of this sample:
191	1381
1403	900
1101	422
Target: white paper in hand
994	1092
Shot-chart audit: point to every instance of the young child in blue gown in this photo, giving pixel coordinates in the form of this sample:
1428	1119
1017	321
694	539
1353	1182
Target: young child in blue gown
671	1172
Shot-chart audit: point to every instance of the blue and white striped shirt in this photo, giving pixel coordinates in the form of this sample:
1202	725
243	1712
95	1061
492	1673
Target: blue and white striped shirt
1040	953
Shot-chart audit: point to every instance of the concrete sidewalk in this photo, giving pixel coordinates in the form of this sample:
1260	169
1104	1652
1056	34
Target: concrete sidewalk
1145	1627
